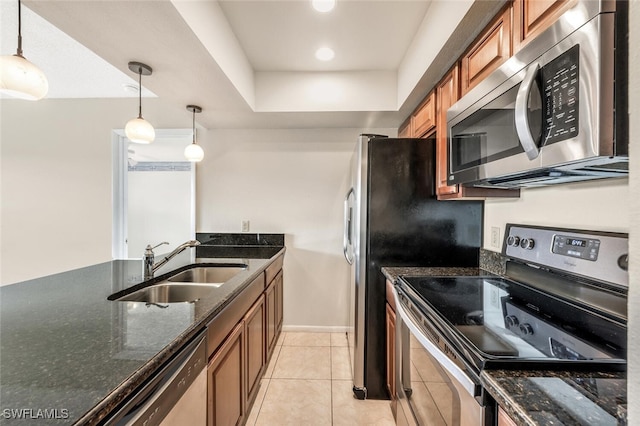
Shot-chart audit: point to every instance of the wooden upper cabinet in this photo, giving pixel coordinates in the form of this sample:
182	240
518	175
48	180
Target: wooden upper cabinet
423	118
488	52
531	17
448	93
404	131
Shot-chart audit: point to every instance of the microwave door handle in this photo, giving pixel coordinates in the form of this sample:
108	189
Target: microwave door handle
521	116
346	240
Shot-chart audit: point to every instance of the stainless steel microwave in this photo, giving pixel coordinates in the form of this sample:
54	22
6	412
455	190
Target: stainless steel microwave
555	112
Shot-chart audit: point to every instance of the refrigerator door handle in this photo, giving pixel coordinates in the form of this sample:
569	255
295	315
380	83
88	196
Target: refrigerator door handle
348	217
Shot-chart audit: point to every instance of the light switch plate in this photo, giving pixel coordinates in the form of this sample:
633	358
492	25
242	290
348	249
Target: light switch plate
245	226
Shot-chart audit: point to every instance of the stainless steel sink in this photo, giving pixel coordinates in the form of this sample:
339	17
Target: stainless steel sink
216	275
186	286
169	293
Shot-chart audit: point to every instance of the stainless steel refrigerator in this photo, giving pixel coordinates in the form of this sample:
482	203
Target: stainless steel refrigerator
392	218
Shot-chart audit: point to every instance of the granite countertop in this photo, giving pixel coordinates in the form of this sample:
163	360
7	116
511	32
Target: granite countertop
65	348
559	397
541	397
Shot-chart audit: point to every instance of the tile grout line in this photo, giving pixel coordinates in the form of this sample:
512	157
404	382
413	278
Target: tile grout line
331	376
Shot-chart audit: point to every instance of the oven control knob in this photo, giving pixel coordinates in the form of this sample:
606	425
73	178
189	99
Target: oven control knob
512	321
526	329
527	243
513	241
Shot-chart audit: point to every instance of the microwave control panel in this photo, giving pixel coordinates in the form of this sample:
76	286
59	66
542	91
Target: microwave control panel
560	89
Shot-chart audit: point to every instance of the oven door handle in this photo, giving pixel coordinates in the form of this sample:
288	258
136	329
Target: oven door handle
465	381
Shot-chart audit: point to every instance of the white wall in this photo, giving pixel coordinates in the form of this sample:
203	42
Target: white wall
55	212
291	182
601	205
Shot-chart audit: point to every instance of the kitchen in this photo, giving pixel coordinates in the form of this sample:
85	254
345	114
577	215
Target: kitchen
255	160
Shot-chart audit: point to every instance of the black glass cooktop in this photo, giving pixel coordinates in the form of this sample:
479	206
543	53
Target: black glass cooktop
501	318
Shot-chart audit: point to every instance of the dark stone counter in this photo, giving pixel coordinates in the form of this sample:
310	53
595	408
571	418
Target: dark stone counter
65	348
559	397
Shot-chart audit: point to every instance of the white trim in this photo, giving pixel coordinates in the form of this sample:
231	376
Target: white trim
119	195
119	188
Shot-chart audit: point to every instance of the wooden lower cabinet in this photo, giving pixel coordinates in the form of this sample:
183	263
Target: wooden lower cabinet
226	381
504	419
274	308
271	326
391	356
240	341
254	324
279	303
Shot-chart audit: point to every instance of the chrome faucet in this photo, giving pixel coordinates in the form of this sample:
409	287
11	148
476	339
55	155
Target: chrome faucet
148	265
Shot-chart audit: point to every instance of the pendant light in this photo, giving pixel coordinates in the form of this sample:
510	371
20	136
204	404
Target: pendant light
138	129
194	152
18	77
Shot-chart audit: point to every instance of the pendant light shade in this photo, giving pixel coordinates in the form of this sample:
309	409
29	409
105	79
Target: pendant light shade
20	78
138	129
194	152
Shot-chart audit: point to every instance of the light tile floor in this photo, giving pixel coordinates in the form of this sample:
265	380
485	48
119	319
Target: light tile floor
308	382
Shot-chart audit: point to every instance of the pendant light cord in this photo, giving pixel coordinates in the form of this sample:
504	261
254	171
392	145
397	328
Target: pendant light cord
139	92
19	51
193	125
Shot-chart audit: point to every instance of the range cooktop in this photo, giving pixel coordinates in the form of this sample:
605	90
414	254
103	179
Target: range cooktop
501	318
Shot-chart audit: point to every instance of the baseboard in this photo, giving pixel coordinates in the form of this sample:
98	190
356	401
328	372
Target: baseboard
315	328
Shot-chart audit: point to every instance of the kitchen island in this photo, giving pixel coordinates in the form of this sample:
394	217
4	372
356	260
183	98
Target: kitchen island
70	355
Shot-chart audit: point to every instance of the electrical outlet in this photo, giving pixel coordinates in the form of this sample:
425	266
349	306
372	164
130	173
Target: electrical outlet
245	226
495	237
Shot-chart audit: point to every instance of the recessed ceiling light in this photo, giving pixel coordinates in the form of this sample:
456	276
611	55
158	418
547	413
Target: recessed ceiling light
323	5
128	87
325	54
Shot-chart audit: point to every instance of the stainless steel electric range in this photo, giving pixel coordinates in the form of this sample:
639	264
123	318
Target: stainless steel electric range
562	303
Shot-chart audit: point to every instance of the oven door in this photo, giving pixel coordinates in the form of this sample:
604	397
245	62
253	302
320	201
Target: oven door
432	388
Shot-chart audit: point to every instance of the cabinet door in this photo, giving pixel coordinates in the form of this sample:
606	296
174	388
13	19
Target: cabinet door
279	302
424	118
489	51
391	352
531	17
226	381
270	297
448	93
404	131
504	419
255	341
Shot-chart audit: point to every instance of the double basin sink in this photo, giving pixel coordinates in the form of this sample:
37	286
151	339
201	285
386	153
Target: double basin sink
186	286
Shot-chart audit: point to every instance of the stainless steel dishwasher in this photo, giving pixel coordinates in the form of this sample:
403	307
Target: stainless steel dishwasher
175	395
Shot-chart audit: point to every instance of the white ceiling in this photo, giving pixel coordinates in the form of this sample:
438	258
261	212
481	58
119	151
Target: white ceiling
251	64
284	35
